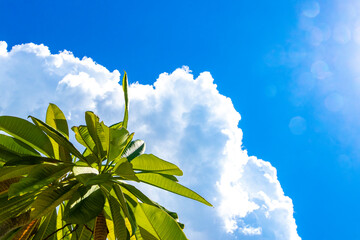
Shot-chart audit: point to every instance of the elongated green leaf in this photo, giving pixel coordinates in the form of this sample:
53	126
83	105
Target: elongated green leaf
130	198
10	235
91	158
82	135
26	231
137	193
133	224
127	208
47	227
84	231
142	197
157	223
118	138
85	205
125	170
134	149
117	125
96	133
99	179
151	163
30	160
16	146
104	131
89	175
60	223
14	171
52	197
14	206
28	133
171	177
119	222
162	182
118	194
41	176
78	136
58	137
144	234
125	89
56	119
7	156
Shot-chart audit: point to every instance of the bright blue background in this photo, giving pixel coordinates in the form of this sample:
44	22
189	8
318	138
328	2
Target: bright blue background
232	40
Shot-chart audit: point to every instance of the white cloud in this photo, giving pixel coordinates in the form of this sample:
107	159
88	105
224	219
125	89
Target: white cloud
182	119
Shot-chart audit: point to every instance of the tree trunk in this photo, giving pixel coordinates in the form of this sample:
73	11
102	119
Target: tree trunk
100	231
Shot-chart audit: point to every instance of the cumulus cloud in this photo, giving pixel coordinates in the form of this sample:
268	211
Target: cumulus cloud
182	119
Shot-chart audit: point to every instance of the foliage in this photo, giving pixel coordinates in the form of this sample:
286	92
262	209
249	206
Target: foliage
49	190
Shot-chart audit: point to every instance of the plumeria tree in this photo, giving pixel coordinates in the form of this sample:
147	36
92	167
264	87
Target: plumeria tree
50	190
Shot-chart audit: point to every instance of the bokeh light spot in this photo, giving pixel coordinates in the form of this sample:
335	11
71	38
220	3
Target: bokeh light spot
342	34
320	69
311	9
334	102
297	125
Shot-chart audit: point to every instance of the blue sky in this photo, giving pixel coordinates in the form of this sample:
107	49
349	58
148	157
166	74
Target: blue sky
290	69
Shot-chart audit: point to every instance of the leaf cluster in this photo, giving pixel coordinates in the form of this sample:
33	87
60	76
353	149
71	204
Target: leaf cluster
50	190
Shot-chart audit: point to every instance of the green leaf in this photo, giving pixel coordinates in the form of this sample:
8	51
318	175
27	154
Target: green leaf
58	137
137	193
28	133
151	163
85	205
130	220
125	170
157	223
14	171
102	178
125	89
162	182
14	206
96	133
142	197
10	235
56	119
117	192
84	231
82	135
40	176
30	160
119	222
83	173
60	223
134	149
117	125
52	197
118	138
144	234
7	156
47	227
16	146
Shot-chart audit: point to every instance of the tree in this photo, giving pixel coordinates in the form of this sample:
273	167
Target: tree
49	190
